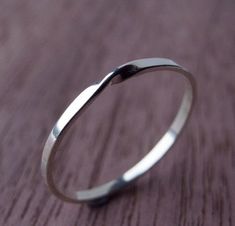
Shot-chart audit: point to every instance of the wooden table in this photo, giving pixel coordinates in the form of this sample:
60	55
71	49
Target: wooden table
51	50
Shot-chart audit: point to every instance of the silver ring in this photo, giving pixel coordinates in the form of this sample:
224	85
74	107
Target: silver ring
121	73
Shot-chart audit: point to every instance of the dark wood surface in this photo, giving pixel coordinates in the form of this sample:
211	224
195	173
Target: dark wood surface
51	50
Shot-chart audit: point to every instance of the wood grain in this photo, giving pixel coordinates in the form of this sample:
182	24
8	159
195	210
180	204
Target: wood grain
51	50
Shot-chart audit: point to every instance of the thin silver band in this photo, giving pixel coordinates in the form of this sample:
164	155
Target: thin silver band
128	70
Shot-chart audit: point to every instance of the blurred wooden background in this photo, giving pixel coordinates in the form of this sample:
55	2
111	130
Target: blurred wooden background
51	50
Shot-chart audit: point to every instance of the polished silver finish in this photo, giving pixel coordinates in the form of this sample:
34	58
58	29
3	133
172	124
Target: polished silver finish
120	74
